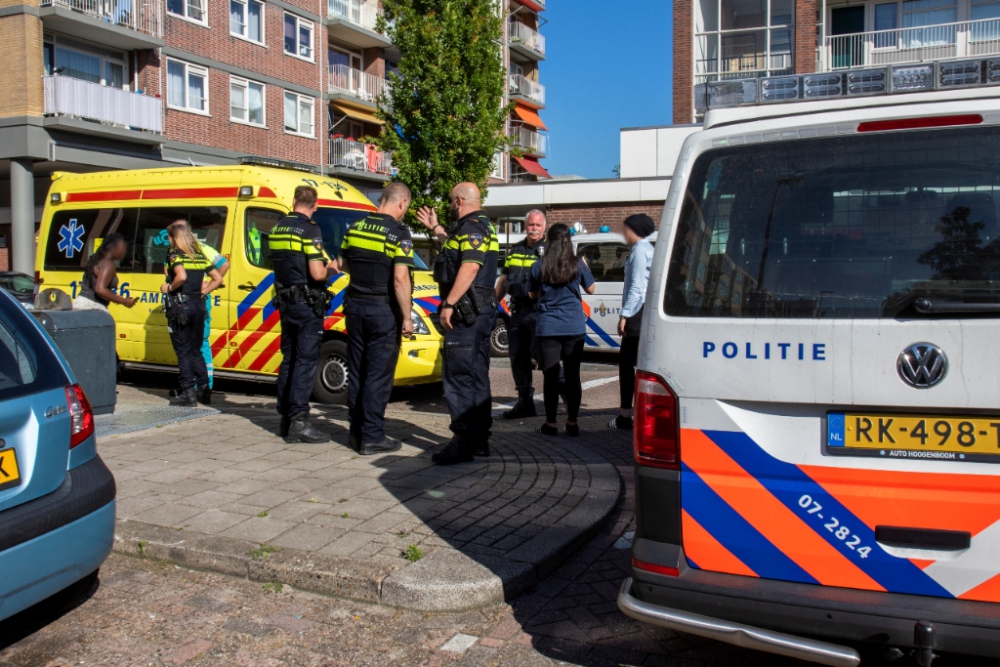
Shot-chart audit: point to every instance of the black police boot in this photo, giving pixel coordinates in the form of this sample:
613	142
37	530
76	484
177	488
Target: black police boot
188	398
482	449
454	452
301	430
525	407
387	446
205	395
286	422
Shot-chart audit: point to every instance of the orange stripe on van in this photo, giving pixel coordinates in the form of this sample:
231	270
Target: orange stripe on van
266	355
110	195
988	591
706	551
938	500
345	204
770	516
191	193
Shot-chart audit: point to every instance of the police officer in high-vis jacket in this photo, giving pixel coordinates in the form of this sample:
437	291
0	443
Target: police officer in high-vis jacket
466	272
378	254
515	280
301	270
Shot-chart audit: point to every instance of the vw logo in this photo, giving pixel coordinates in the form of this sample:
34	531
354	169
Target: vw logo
922	365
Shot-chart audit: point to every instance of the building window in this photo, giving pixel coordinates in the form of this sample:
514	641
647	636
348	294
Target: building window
187	86
246	101
737	39
84	61
299	37
246	19
299	114
193	10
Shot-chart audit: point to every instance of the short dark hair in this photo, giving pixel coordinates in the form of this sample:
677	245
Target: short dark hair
396	191
306	195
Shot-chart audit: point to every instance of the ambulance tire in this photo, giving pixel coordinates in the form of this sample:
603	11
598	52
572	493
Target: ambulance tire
330	385
498	339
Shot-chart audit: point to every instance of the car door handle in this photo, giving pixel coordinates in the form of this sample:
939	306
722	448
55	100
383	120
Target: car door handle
248	287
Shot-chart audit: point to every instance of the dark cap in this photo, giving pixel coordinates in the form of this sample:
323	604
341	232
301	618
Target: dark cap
641	224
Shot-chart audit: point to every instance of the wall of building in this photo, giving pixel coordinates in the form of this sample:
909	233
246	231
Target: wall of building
594	216
648	152
23	67
683	61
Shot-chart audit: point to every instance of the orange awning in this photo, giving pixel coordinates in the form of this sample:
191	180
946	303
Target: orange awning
530	117
532	167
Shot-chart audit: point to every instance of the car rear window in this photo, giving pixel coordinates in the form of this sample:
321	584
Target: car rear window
844	227
605	260
27	363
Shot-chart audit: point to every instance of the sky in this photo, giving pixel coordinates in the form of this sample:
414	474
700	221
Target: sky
608	65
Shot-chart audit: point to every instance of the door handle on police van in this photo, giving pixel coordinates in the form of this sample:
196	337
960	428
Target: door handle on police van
248	287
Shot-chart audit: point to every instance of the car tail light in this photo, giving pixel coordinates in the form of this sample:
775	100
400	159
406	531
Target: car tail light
81	415
655	569
656	433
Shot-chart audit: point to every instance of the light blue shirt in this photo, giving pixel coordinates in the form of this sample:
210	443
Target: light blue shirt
636	277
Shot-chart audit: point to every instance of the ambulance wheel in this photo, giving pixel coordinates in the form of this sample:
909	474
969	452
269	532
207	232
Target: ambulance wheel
498	339
330	385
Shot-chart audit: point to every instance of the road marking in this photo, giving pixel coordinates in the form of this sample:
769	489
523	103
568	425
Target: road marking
540	397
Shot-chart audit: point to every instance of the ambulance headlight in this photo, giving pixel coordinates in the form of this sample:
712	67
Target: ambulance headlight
419	326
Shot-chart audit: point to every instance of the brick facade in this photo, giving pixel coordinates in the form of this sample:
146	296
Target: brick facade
684	61
594	216
21	54
805	36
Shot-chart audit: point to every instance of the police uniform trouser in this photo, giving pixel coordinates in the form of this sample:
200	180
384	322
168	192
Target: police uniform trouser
301	339
373	333
523	348
466	377
187	344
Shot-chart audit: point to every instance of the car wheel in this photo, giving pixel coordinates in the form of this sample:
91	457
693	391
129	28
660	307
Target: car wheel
330	385
498	339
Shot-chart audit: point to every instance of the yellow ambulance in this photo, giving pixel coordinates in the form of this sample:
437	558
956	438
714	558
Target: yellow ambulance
232	209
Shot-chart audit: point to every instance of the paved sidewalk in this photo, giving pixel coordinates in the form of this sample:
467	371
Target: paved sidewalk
223	493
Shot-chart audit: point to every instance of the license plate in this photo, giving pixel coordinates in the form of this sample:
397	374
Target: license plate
10	474
914	436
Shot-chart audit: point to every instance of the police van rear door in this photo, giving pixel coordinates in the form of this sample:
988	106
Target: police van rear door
829	322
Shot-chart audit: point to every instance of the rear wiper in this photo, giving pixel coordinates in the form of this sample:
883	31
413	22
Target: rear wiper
929	306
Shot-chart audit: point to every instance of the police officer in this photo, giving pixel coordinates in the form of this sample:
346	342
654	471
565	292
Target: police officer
378	253
301	270
184	306
515	280
466	272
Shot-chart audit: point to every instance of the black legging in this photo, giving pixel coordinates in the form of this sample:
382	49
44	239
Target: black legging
628	357
569	350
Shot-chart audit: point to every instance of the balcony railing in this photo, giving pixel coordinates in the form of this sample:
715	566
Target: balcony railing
66	96
743	66
360	157
362	85
363	14
912	45
519	85
140	15
529	141
530	37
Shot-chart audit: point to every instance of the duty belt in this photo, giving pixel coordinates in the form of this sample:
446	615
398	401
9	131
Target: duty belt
377	298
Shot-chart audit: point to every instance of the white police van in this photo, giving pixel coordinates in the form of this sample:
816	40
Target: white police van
817	416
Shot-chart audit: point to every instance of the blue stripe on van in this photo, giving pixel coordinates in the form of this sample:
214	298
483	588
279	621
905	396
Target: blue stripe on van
257	292
600	333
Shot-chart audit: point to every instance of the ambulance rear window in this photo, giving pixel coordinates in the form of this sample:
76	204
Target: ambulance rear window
847	227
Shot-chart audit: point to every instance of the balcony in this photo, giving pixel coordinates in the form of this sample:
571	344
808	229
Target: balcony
527	41
529	92
528	141
354	85
123	24
66	96
361	160
354	22
965	39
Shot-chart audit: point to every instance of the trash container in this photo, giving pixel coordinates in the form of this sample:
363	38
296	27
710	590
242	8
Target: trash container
86	339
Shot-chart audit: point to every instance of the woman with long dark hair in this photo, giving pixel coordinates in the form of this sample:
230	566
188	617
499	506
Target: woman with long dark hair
558	282
100	278
184	305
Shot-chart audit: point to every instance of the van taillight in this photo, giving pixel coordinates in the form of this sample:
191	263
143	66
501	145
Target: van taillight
81	415
656	433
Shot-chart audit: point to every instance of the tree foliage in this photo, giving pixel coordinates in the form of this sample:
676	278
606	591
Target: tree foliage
445	111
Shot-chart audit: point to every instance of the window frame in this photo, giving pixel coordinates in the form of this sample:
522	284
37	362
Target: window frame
299	23
299	99
246	83
186	16
246	22
187	72
106	56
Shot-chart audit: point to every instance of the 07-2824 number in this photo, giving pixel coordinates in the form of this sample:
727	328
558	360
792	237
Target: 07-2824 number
843	533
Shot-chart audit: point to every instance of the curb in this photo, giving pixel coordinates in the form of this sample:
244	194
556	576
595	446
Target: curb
446	580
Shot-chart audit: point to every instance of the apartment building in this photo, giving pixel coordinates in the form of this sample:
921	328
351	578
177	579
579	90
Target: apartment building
120	84
745	39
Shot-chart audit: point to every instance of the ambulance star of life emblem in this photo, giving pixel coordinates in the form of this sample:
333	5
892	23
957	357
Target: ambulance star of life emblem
922	365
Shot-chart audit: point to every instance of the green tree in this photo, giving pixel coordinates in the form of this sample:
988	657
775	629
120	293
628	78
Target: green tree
445	111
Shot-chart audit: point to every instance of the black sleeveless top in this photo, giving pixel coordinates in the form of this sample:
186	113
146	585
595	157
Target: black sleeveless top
88	284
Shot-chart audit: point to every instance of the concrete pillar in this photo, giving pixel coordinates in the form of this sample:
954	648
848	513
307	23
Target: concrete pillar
22	208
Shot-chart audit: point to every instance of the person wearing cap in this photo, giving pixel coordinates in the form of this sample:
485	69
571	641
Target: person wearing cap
637	228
